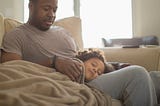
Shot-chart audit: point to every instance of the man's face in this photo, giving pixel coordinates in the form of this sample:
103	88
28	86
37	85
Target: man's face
43	13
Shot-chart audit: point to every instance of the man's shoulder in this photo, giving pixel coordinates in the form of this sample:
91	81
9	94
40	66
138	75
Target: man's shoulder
15	30
21	27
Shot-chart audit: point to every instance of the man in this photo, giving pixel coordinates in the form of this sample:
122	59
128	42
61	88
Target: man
38	42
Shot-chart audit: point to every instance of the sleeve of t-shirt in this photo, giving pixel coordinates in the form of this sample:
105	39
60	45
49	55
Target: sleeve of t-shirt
12	42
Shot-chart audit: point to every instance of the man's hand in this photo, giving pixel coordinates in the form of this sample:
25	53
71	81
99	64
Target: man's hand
69	67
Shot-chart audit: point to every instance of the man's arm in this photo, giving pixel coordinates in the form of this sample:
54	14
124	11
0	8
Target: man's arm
67	66
6	56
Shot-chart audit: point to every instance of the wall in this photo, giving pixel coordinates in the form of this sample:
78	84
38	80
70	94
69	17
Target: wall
146	15
12	9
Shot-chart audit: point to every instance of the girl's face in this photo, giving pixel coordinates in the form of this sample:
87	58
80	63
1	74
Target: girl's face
93	68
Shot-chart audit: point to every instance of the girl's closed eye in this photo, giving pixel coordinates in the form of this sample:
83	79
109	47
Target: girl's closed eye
94	64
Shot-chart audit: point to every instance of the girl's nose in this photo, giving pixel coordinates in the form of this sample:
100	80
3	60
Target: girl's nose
95	71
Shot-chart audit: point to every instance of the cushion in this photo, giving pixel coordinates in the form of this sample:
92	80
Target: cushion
146	40
73	25
10	24
150	40
122	42
146	57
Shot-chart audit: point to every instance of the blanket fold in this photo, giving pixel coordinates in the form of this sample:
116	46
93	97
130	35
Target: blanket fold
24	83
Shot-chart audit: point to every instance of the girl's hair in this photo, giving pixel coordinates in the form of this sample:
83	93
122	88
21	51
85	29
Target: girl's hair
91	53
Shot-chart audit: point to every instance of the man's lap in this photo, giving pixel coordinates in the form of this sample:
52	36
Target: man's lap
115	82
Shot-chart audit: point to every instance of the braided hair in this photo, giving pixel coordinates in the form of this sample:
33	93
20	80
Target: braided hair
91	53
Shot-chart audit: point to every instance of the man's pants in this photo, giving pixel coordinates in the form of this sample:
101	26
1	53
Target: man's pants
132	85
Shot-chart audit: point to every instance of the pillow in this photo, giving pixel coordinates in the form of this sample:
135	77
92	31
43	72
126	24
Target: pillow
10	24
150	40
73	25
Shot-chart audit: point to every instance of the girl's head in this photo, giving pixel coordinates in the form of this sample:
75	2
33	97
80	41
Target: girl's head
94	62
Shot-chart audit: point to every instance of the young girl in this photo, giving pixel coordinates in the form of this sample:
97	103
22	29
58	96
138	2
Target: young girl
94	63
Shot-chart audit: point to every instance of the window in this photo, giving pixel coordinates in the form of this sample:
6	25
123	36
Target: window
105	18
100	18
65	9
26	10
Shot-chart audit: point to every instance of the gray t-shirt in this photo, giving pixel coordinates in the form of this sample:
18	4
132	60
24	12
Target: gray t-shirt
36	46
